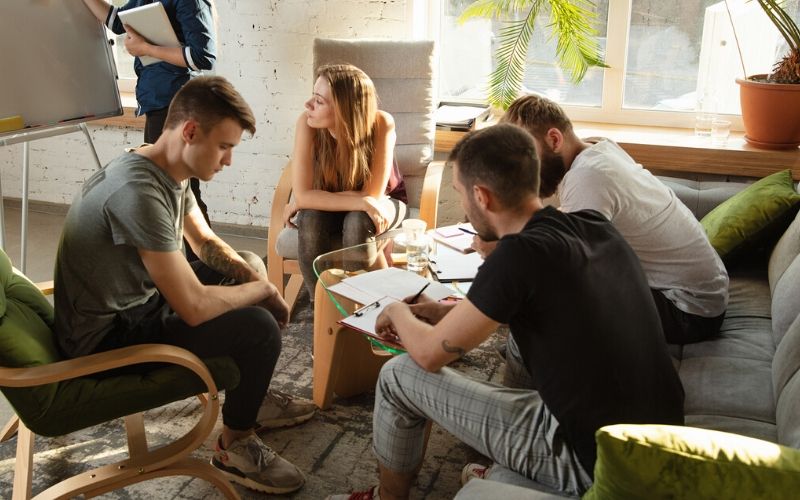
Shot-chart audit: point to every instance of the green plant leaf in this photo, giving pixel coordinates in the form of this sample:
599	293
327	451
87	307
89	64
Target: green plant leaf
783	21
576	47
506	79
494	8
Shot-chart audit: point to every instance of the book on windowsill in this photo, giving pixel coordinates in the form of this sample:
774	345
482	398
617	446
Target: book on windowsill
458	116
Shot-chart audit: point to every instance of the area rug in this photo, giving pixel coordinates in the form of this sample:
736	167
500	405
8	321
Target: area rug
333	449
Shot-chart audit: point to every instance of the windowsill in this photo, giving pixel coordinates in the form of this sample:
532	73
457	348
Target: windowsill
676	149
128	118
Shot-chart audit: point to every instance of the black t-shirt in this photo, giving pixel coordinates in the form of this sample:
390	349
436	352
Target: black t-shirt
579	307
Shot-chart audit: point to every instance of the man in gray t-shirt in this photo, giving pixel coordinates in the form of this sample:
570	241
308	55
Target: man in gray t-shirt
130	204
121	277
687	278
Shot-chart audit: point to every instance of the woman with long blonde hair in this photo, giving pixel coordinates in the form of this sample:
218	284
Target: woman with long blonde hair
346	185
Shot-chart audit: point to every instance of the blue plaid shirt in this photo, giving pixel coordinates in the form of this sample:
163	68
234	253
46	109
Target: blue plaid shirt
194	26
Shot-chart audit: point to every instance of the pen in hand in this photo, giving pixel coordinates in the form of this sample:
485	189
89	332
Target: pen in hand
468	231
419	294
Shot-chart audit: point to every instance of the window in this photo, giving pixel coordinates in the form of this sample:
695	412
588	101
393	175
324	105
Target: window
664	57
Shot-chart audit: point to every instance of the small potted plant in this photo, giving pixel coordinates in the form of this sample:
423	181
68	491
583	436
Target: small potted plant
577	49
771	103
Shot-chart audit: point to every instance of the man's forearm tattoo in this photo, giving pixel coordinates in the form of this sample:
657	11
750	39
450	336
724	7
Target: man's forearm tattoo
218	259
452	349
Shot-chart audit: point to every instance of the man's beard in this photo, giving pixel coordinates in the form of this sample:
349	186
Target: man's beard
481	225
551	171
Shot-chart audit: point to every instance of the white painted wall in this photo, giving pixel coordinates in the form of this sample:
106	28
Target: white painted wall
265	50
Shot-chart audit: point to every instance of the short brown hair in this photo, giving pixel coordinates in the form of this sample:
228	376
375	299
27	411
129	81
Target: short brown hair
503	158
537	115
209	100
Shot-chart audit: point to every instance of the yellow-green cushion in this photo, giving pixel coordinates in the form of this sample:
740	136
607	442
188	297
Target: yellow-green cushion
663	461
745	219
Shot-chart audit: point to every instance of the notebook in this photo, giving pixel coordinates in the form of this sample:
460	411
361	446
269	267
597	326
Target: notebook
458	236
152	23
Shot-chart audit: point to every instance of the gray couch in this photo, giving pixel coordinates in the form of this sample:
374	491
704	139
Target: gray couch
747	380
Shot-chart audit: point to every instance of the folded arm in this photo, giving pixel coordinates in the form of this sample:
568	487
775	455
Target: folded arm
219	256
305	196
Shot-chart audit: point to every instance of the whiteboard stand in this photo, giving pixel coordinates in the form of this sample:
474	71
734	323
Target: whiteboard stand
25	138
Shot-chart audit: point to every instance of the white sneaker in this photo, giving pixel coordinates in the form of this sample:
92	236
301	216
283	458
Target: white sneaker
472	471
253	464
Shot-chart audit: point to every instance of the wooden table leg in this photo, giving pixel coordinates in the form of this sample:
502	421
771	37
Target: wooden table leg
344	361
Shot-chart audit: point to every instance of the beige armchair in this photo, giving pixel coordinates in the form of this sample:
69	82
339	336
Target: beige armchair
403	75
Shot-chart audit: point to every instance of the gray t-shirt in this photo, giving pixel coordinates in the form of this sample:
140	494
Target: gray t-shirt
130	204
668	239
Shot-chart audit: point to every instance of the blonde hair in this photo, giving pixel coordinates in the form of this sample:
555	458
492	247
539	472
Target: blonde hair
343	163
537	115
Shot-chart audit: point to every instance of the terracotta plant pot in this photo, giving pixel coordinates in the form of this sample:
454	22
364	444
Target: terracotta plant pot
770	112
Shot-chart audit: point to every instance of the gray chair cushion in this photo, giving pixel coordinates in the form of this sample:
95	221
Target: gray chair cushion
287	243
785	252
757	429
730	387
702	196
786	380
786	300
786	363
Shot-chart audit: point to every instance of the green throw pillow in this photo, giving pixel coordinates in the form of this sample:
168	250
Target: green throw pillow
664	461
750	216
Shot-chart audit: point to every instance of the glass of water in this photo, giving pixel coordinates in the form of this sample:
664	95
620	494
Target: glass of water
417	245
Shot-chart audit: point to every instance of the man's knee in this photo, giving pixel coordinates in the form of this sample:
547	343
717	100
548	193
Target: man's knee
396	372
258	326
254	261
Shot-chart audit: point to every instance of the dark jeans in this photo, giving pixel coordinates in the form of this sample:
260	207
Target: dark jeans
153	125
681	327
250	336
321	231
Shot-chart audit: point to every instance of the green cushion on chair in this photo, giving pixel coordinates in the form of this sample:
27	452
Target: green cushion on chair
91	400
663	461
747	218
27	339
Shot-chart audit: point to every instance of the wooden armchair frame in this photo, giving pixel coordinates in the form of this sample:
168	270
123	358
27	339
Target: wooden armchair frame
279	268
142	464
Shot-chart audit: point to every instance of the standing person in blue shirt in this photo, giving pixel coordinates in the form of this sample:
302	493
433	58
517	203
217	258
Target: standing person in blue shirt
157	84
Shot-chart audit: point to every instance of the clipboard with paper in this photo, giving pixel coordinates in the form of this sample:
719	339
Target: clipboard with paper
363	321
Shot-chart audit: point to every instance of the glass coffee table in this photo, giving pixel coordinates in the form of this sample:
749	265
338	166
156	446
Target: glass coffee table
347	362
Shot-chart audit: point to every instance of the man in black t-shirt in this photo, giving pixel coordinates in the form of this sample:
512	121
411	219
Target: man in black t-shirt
577	303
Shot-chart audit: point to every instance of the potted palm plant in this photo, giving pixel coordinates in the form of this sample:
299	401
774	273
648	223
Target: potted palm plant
771	103
572	25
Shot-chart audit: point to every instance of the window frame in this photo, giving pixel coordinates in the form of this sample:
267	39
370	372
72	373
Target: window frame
610	109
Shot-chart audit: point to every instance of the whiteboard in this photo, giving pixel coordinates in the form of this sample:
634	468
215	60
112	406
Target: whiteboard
56	65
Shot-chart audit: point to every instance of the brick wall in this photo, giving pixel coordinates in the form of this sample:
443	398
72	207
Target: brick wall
265	50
